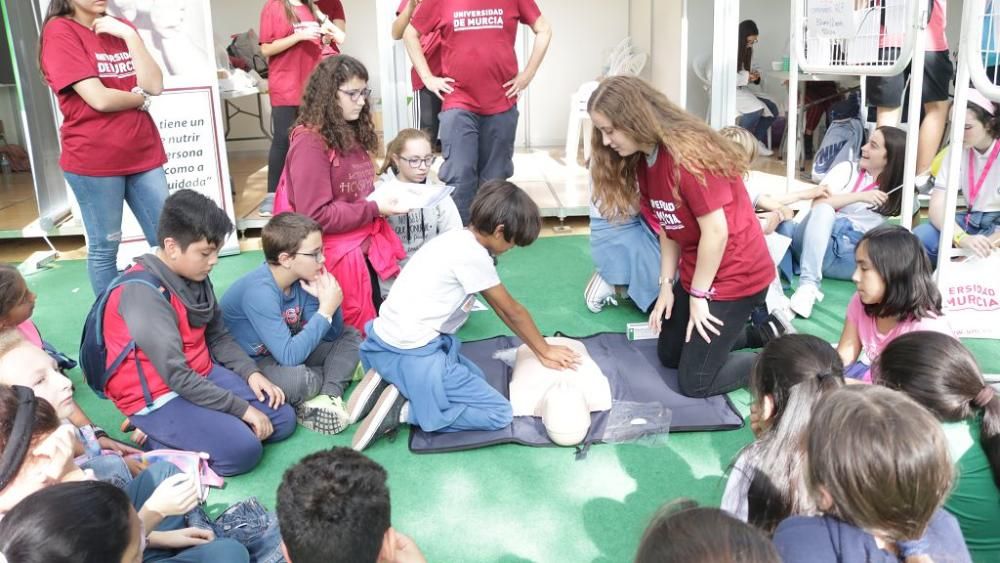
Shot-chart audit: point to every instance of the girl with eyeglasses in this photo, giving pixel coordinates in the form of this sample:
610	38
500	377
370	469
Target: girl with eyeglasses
328	177
409	158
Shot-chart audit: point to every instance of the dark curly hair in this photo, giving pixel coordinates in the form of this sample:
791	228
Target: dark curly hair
320	110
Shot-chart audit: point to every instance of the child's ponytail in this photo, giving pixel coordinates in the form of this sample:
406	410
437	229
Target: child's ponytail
942	375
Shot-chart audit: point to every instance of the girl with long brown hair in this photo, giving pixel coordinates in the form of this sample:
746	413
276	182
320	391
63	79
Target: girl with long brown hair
328	177
650	156
938	372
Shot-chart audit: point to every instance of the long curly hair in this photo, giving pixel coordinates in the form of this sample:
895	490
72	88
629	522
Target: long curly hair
321	112
646	115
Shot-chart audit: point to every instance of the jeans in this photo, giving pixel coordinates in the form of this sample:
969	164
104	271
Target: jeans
476	148
232	446
218	550
711	368
247	522
101	201
824	246
109	468
282	118
756	123
628	254
328	370
976	223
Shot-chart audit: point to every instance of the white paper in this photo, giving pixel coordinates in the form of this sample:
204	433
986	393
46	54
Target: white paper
412	196
479	306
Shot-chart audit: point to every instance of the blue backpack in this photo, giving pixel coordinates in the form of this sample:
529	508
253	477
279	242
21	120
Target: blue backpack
93	349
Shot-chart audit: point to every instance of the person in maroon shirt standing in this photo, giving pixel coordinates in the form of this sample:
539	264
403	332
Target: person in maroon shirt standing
692	179
103	78
426	104
479	84
293	36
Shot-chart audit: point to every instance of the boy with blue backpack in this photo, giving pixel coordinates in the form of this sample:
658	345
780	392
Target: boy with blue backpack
171	365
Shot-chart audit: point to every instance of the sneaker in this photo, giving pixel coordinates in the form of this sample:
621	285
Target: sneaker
384	418
762	149
266	208
323	413
802	301
599	293
778	323
364	396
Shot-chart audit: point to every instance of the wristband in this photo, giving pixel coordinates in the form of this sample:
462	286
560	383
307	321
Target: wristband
99	432
913	548
959	236
145	98
699	294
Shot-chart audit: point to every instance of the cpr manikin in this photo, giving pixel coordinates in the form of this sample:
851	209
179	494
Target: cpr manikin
563	399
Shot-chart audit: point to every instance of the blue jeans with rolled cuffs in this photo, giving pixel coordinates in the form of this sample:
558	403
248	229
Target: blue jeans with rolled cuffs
976	223
824	244
102	200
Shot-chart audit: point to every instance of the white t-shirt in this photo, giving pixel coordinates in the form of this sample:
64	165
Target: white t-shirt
734	498
841	179
436	290
988	198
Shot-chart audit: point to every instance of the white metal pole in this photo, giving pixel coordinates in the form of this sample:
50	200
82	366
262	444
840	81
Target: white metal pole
955	144
792	127
913	118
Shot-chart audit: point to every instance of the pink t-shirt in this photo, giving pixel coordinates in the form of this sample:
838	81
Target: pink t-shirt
873	342
30	332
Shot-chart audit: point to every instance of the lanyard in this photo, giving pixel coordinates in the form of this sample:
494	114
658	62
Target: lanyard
857	184
974	185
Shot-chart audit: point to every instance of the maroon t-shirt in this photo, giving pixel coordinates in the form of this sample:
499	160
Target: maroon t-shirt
97	143
328	186
430	44
289	70
477	48
746	266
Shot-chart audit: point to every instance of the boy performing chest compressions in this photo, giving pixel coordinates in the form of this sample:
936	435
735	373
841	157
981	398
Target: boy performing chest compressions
417	375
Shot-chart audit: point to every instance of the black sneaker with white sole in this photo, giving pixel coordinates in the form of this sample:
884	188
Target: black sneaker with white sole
383	419
364	396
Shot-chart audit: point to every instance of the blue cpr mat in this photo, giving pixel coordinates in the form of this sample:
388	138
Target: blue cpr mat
634	373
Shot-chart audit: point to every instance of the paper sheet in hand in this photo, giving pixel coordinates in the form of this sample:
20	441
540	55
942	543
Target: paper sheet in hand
412	196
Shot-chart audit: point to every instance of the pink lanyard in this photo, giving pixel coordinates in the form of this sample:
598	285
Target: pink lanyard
857	184
975	186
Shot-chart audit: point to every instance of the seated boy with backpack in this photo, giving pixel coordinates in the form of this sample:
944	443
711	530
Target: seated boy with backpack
171	365
286	315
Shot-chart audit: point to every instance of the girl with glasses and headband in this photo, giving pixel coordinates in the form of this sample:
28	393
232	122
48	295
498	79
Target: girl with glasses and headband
328	177
409	158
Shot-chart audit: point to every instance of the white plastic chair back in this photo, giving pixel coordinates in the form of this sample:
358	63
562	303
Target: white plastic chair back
981	46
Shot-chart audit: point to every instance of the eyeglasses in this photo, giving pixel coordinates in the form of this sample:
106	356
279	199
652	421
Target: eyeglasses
356	95
415	162
317	256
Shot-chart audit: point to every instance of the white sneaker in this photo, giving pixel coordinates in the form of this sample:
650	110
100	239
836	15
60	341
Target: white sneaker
598	293
763	150
802	301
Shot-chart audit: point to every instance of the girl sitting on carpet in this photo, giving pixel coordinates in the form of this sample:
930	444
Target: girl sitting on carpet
409	158
328	176
692	181
416	373
941	374
864	195
978	229
896	294
767	484
878	470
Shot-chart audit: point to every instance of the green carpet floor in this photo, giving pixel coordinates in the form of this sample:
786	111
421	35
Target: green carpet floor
504	503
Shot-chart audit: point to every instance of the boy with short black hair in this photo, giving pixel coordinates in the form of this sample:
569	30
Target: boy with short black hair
286	315
411	347
188	385
333	505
